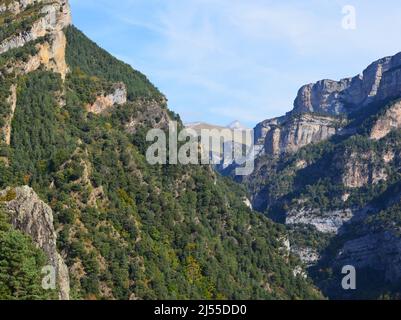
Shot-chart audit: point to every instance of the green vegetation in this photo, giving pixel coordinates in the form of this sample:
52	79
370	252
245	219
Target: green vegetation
128	229
10	24
20	265
84	54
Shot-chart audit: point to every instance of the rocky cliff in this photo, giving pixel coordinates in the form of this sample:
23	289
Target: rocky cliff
47	21
378	82
38	24
118	96
298	131
325	100
32	216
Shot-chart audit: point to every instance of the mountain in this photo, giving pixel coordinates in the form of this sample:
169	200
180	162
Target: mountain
330	171
79	196
236	125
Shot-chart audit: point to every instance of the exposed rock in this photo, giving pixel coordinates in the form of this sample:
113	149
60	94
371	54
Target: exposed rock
299	131
16	6
248	203
379	251
12	101
264	127
389	121
308	256
379	82
321	97
56	16
359	170
32	216
103	103
299	272
326	222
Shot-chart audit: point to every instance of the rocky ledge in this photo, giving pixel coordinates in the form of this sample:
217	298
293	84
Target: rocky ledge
31	215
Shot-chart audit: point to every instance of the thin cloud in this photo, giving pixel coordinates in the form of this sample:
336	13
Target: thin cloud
211	55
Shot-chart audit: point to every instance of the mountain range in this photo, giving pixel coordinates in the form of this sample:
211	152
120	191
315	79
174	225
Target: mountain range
79	198
77	195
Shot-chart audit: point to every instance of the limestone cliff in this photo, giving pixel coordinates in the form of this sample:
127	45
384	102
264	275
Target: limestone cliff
39	24
118	96
51	18
390	120
318	105
379	82
299	131
32	216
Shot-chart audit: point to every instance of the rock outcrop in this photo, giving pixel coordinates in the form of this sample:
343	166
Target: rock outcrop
317	103
390	120
380	251
12	102
54	17
147	114
362	168
379	82
105	102
32	216
299	131
323	221
290	133
308	256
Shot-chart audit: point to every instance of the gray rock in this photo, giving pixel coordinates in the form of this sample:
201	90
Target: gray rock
326	222
380	251
33	217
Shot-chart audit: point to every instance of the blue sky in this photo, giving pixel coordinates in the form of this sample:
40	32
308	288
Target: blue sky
224	60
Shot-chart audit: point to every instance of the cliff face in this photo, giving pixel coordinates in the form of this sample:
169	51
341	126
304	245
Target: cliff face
105	102
387	122
49	20
32	216
41	24
379	83
336	188
297	132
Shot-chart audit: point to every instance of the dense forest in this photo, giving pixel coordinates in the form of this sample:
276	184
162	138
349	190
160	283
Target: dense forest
129	230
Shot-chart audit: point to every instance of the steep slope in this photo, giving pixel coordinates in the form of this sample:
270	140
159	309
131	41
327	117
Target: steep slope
126	229
336	185
321	108
33	217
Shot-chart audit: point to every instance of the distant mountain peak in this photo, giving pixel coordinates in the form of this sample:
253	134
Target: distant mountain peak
236	125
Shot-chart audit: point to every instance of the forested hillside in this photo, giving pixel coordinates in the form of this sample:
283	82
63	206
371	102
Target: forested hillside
126	229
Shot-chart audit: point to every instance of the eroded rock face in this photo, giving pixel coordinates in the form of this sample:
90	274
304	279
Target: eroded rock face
103	103
321	97
390	120
12	101
380	251
379	82
32	216
308	256
299	131
56	16
326	222
361	169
